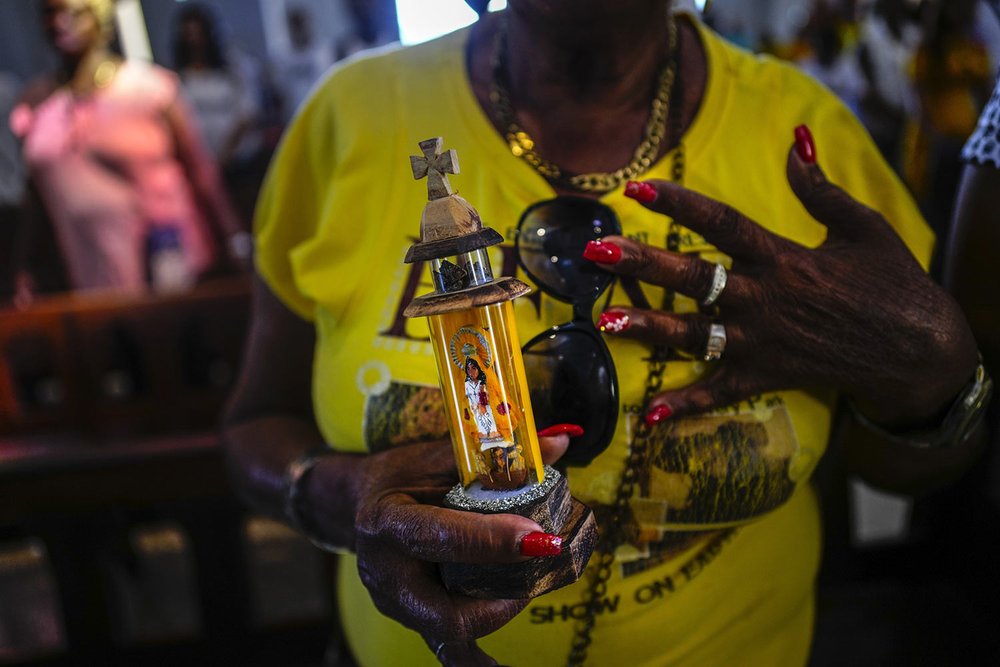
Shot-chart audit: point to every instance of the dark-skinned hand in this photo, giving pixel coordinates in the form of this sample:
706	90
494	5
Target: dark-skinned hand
856	313
402	532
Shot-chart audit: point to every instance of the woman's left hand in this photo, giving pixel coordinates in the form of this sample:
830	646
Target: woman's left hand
857	313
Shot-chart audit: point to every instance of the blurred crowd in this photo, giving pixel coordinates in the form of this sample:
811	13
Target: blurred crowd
74	202
916	73
122	175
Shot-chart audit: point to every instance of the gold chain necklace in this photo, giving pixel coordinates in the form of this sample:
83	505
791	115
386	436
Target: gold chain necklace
101	77
523	146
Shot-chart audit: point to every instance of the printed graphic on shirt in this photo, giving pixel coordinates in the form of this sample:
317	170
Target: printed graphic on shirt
708	471
718	469
404	414
652	592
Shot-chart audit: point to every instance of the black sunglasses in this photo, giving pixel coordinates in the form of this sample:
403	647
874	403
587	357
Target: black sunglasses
571	375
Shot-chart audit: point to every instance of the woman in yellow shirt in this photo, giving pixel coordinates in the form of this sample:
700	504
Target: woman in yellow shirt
337	423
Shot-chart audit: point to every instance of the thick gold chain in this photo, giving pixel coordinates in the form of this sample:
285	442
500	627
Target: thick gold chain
614	534
523	146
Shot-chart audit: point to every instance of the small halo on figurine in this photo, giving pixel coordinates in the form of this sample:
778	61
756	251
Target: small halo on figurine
466	343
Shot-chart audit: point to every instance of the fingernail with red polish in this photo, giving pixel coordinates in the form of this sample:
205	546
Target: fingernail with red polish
572	430
658	414
613	321
805	146
641	192
602	252
541	544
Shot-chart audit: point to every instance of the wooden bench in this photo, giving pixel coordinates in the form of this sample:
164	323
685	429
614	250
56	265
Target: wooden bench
108	413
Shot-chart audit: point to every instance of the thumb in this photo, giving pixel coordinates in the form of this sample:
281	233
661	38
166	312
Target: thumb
844	216
555	440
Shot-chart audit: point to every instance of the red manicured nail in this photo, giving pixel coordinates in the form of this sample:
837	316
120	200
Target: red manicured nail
658	414
804	144
641	192
572	430
541	544
602	252
614	321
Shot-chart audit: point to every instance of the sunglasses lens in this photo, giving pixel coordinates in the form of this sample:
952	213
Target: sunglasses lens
572	381
551	238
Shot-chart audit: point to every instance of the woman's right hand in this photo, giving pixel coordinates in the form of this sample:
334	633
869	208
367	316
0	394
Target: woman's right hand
401	532
385	506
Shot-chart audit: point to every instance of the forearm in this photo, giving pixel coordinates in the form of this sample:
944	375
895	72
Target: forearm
233	141
214	199
907	470
259	453
930	448
202	171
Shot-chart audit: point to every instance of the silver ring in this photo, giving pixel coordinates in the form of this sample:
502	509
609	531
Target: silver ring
716	342
719	279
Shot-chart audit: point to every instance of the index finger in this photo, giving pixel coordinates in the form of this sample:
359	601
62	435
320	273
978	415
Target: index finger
443	535
722	225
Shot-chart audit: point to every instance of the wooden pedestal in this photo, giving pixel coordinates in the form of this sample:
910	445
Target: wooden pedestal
556	511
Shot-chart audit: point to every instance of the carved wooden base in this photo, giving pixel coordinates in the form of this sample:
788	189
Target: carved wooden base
557	512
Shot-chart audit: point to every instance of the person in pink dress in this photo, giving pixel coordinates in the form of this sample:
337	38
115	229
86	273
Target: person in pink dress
117	161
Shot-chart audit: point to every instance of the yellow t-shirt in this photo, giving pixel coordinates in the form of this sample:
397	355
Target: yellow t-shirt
339	210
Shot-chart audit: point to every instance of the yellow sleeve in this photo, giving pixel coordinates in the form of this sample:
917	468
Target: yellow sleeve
851	160
291	201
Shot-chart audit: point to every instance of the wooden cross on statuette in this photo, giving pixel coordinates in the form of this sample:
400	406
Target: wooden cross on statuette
436	166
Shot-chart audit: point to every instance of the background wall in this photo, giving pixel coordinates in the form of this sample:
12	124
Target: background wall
22	49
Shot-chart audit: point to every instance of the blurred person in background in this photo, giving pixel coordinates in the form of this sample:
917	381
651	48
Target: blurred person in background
888	38
951	76
11	176
372	26
225	89
975	240
117	163
964	520
218	82
299	68
830	60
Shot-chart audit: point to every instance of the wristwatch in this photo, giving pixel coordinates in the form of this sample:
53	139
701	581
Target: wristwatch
961	420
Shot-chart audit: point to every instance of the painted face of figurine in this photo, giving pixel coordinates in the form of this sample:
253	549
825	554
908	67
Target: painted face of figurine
74	27
472	370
